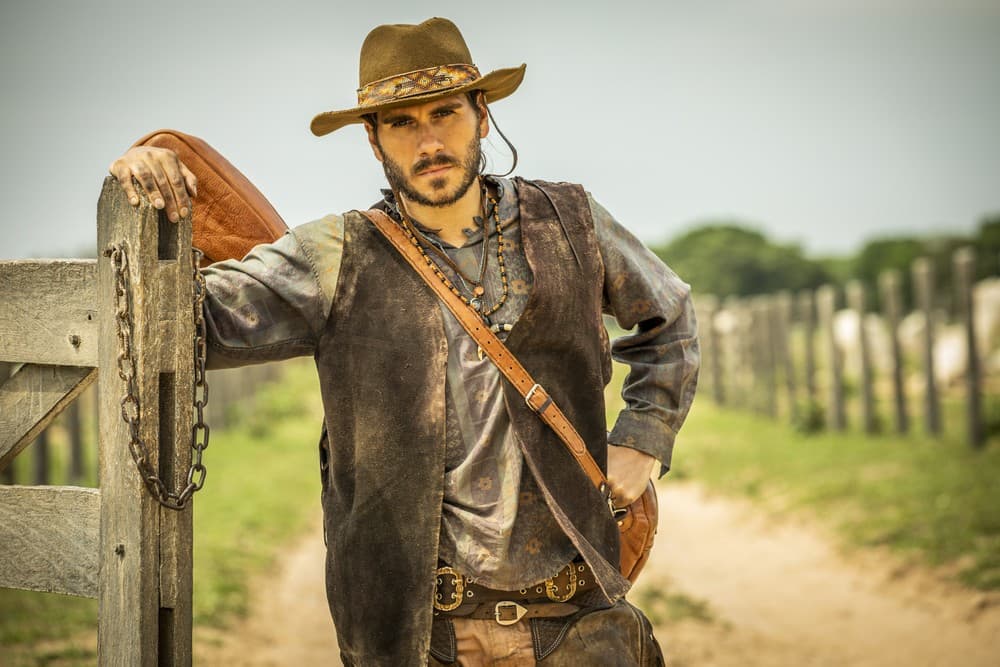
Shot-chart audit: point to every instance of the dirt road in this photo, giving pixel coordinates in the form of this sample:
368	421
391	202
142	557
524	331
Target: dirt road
769	593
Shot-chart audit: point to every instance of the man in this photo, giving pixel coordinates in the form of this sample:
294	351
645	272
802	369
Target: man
435	470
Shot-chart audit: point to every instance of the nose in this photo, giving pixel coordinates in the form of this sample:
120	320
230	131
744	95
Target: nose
428	141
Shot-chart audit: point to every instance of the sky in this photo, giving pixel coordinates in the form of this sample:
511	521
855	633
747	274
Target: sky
819	122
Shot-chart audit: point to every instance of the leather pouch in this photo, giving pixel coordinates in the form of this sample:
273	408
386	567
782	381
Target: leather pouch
230	215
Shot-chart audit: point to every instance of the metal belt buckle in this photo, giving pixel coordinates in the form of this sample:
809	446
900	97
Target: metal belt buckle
508	613
552	591
456	595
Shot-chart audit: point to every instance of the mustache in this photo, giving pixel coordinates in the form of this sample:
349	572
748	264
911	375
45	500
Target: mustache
436	161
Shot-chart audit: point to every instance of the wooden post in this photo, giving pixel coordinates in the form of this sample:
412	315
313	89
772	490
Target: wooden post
923	284
807	315
40	459
769	353
75	431
856	302
784	348
965	269
7	474
826	306
145	554
890	286
715	355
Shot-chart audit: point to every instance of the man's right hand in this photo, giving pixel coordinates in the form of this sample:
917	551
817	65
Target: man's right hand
165	179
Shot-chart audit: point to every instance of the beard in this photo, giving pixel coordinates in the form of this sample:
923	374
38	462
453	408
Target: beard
398	181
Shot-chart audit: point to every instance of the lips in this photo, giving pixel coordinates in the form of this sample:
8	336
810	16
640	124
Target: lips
433	171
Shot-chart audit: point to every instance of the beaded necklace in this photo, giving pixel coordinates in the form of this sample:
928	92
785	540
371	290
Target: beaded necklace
476	302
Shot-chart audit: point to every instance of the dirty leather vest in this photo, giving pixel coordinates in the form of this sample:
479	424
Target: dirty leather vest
382	366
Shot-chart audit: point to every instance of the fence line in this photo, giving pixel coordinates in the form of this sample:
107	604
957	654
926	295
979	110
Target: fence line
753	346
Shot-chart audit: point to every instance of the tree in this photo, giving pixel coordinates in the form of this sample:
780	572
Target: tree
727	258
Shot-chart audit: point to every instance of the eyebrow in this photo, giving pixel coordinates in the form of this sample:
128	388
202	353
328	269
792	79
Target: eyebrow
393	116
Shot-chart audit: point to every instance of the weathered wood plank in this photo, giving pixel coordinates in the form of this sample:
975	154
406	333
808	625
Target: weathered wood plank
128	625
48	539
48	311
176	390
32	398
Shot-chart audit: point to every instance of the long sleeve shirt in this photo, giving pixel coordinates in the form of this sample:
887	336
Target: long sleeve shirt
495	527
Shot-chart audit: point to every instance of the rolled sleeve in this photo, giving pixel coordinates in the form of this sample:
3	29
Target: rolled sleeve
645	295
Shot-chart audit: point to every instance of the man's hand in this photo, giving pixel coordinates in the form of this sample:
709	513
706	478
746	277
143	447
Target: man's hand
164	178
628	472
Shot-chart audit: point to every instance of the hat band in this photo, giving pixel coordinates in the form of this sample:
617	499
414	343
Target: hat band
417	82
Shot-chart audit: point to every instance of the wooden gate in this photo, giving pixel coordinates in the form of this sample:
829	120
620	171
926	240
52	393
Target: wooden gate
115	543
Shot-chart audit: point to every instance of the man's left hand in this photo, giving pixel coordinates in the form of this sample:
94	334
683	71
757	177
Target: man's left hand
628	472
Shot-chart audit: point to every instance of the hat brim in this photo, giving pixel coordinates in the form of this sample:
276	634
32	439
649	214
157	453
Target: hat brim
496	85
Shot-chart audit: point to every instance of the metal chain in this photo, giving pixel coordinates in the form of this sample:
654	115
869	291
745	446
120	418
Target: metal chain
130	401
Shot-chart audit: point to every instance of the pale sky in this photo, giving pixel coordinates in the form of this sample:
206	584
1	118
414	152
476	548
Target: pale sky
822	122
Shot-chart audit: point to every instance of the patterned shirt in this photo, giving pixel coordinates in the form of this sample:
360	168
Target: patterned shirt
495	525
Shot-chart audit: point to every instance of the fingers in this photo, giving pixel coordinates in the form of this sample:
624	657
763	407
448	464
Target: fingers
121	171
164	178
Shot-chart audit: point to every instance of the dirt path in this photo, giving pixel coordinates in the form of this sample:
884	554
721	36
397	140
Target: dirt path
777	594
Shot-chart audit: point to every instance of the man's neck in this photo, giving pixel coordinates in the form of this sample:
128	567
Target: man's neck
451	222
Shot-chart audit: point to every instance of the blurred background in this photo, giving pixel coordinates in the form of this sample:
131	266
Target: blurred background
826	176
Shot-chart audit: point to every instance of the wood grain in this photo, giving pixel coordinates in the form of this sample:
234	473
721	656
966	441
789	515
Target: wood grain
48	539
48	312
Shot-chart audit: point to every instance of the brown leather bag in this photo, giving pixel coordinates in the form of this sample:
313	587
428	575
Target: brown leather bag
637	522
230	215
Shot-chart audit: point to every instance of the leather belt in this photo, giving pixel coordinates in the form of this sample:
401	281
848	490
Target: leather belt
508	612
455	590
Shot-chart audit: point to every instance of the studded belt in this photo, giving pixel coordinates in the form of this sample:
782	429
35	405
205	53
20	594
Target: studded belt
455	590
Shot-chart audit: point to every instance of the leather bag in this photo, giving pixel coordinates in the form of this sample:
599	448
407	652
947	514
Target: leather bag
637	522
230	216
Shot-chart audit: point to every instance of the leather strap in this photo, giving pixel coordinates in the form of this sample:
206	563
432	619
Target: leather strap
534	394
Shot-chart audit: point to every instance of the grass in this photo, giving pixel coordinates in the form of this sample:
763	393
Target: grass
262	490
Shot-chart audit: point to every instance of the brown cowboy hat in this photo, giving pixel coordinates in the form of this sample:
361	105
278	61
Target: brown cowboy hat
413	64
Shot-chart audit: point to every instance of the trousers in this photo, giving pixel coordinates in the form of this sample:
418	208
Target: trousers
619	636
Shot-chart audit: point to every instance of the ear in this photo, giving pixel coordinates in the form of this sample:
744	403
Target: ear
484	118
373	141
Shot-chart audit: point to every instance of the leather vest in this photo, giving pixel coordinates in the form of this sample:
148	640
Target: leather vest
382	367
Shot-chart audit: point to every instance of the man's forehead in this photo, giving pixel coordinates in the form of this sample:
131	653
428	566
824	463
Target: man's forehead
413	109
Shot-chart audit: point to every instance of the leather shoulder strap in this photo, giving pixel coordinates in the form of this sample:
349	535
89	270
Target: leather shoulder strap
534	394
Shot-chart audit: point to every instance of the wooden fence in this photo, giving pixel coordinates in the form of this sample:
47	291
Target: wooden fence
58	333
778	354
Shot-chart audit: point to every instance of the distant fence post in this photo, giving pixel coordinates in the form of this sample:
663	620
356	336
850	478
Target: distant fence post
923	284
856	302
711	349
807	315
890	287
74	429
965	269
826	306
784	347
40	459
7	474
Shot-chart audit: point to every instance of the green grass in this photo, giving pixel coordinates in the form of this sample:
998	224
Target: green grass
261	491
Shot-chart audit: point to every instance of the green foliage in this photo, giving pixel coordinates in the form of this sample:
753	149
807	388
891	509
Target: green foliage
988	246
731	259
889	254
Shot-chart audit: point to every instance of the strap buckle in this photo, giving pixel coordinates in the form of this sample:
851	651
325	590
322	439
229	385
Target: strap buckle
531	392
508	613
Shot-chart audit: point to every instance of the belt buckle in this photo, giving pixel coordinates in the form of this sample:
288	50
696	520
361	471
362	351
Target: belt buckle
552	591
503	610
456	595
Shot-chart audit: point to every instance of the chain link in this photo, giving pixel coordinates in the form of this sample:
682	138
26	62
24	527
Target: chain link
130	407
